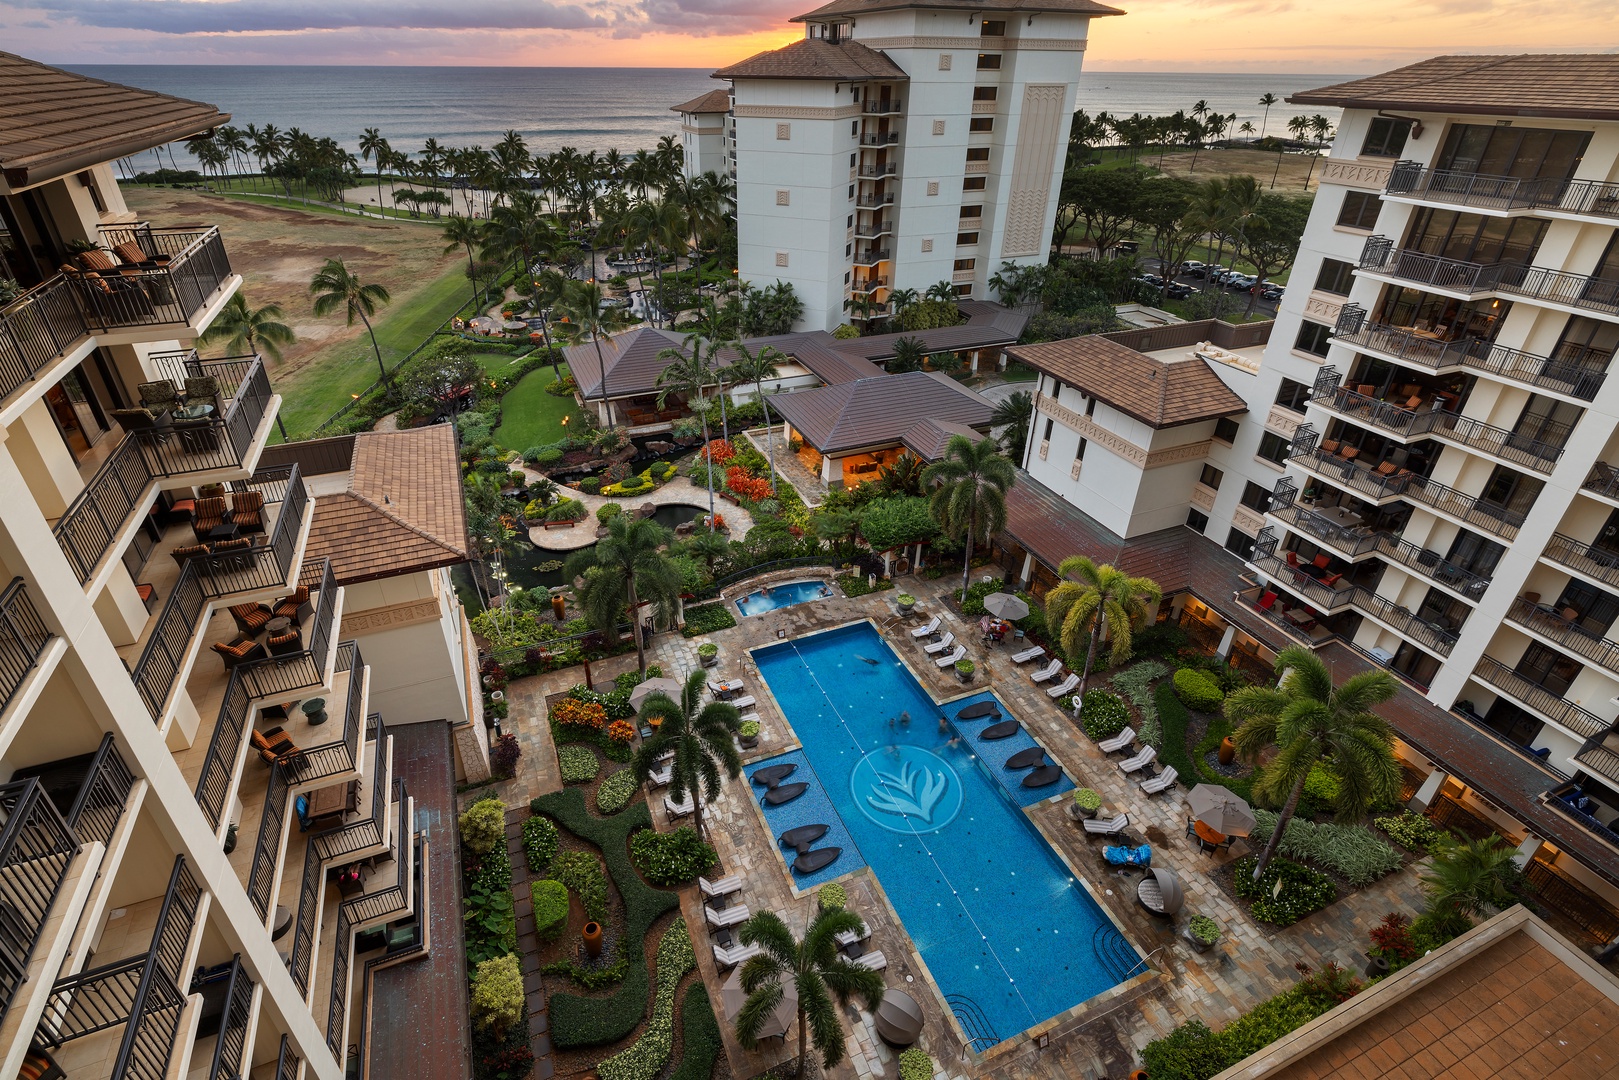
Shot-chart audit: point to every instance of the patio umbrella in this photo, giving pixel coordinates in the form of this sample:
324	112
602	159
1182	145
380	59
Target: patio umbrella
646	689
1220	810
733	997
1006	606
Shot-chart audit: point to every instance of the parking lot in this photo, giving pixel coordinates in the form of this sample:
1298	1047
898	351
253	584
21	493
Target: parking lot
1194	278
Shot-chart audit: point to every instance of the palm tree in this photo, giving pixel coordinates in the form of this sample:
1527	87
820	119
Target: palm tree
1103	594
970	499
586	318
902	299
702	737
1247	129
1473	877
459	232
372	144
822	976
756	367
1266	100
687	374
1310	719
1319	127
334	286
549	287
942	291
1014	412
626	568
250	330
909	355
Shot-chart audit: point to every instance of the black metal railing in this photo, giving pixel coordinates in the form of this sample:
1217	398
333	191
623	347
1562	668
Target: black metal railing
103	793
1381	256
368	831
287	673
1547	622
1561	287
227	1063
1362	479
41	326
873	202
1596	758
1431	565
23	638
880	138
1596	917
1404	345
1494	519
1574	370
36	849
1324	597
1596	198
872	255
266	866
1603	480
1584	557
874	229
341	755
877	172
1539	452
1553	707
1348	541
884	105
286	1062
1438	638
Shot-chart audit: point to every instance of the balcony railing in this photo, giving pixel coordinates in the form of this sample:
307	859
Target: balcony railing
286	1062
1546	622
877	172
266	866
368	832
360	912
874	229
1431	565
1559	710
1358	478
143	992
1539	452
1577	372
1589	197
884	138
211	577
1348	542
103	794
1438	638
285	674
872	256
227	1063
873	202
1560	287
342	755
123	486
1406	346
36	849
883	106
1603	480
1586	558
1325	598
1380	256
23	637
870	285
1497	520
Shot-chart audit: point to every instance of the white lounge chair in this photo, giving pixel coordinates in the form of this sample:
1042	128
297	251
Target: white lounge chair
661	777
726	917
1121	741
872	961
714	688
927	631
744	702
941	645
1047	672
730	958
947	661
1064	687
1140	761
725	886
665	758
680	809
1162	782
1028	654
849	937
1109	827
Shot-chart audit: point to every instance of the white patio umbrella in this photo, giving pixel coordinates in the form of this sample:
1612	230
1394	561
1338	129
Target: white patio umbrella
644	690
1220	810
733	997
1006	606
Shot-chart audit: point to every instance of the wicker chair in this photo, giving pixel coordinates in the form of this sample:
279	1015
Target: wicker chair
296	607
251	618
159	396
285	644
247	511
183	555
209	515
240	552
204	390
134	420
241	651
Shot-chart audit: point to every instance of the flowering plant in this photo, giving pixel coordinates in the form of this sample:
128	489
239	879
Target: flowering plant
745	485
1391	939
579	713
719	451
621	731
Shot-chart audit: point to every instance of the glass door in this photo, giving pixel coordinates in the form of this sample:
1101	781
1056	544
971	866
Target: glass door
78	414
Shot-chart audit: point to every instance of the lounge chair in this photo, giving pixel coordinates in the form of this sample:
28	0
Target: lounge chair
1110	827
1028	654
849	937
661	777
948	661
1121	741
941	645
296	607
241	651
160	395
680	809
1162	782
730	958
273	745
725	886
927	631
250	618
872	961
1047	672
1064	687
1140	761
726	917
744	702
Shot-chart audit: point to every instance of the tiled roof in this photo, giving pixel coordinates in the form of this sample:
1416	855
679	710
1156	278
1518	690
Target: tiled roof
1580	85
929	439
987	325
865	7
1156	393
715	101
814	58
817	351
633	363
53	122
403	510
878	411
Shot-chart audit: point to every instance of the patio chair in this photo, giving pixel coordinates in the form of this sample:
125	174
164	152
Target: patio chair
209	514
679	809
1121	741
273	745
1140	761
1047	672
949	661
241	552
926	631
285	644
661	777
746	702
247	511
1266	602
725	886
250	618
730	958
872	961
137	420
183	555
726	917
849	937
1028	654
941	645
1112	827
1162	782
241	651
1064	687
160	395
296	607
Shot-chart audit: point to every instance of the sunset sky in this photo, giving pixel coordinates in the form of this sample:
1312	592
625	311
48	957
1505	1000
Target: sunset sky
1186	35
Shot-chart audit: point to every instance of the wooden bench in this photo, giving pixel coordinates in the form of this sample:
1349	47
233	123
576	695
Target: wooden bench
559	524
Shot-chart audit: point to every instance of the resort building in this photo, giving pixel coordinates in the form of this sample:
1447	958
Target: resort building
210	850
899	144
707	134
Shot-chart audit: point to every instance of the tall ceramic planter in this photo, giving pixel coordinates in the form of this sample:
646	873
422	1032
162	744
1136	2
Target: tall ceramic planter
593	939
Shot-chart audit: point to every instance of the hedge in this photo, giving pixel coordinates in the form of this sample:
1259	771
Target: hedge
550	906
1353	852
707	619
644	1059
579	765
615	792
1172	721
1197	691
496	997
1103	714
539	843
580	1021
670	858
1302	890
702	1041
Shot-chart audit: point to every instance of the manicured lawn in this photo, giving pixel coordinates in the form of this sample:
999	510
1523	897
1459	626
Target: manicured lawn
494	363
531	417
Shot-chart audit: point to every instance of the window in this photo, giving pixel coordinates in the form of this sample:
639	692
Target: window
1335	277
1359	210
784	131
854	128
972	211
1588	606
1313	338
1239	544
1293	395
851	191
1048	429
848	250
852	160
981	124
978	153
1090	407
1511	491
974	183
1273	448
966	239
1255	497
1225	430
989	61
846	277
992	28
965	264
1079	453
1452	234
1210	477
1197	519
1519	152
1056	389
985	93
964	290
850	223
1385	137
1547	668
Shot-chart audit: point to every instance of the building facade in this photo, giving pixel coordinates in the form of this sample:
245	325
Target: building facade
902	144
707	134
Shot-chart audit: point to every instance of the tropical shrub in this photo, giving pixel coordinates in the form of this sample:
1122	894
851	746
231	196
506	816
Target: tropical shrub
548	457
718	451
621	731
660	470
539	843
707	650
483	825
1302	890
591	485
973	605
914	1064
579	764
1411	830
645	1058
670	858
490	915
832	896
1104	714
1391	940
1087	799
497	993
582	873
701	1044
1136	683
503	756
575	713
1204	929
707	619
566	510
1197	691
749	729
745	485
1353	852
550	899
616	791
607	512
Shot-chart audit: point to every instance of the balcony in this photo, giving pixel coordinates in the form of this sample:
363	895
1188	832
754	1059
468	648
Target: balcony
884	107
1429	564
872	256
1468	509
878	172
36	852
883	138
865	286
186	270
1432	635
123	488
227	1060
1325	598
1349	542
1579	292
1381	257
1550	624
1363	480
1603	481
23	638
1539	700
1583	198
871	230
1584	558
873	202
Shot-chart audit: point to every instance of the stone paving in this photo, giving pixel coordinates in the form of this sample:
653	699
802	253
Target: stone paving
681	491
810	487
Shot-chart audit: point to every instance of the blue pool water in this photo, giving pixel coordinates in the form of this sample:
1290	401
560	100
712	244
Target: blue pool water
784	595
994	913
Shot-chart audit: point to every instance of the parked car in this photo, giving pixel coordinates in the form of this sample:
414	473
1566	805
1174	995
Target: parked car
1179	290
1273	292
1239	282
1151	279
1191	266
1206	271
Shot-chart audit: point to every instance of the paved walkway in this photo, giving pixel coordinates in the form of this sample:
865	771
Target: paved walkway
528	947
810	487
681	491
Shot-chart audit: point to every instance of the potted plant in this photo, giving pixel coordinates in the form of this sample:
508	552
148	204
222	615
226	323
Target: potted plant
965	669
749	733
1087	801
1202	932
708	654
906	602
832	897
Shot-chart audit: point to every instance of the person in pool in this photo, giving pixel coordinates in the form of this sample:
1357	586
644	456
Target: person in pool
904	719
944	726
825	590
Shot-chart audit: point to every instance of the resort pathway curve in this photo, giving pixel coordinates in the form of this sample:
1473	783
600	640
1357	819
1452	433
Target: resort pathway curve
681	491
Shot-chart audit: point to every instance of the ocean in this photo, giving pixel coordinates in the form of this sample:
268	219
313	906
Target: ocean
587	108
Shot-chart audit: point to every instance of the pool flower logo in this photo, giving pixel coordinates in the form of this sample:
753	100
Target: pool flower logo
912	793
906	789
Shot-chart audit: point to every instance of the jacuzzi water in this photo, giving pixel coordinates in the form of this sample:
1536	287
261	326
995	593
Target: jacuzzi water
784	595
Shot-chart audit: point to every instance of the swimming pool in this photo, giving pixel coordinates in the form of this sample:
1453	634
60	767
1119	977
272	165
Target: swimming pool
784	595
1006	931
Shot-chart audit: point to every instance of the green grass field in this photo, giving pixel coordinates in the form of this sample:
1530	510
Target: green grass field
255	188
493	363
531	417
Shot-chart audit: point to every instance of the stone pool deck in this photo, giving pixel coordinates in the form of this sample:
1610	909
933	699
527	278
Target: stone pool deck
681	491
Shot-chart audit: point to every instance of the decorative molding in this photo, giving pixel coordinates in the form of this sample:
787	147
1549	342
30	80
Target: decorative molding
1045	449
1321	306
983	108
961	277
1283	421
1072	420
1247	520
1203	498
975	168
1356	173
945	61
1073	470
414	611
976	44
1174	455
798	112
970	224
1039	133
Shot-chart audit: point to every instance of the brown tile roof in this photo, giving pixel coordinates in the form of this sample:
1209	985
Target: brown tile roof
929	439
403	510
878	411
1578	85
715	101
633	363
53	122
987	325
813	58
1156	393
863	7
816	350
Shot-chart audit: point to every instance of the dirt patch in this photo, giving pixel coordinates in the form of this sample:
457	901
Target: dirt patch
1295	168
